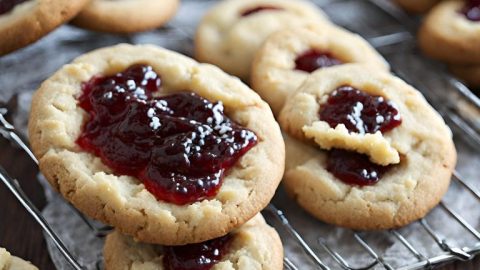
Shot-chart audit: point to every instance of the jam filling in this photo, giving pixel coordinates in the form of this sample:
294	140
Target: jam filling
201	256
359	111
362	113
180	146
254	10
312	60
354	168
471	10
7	5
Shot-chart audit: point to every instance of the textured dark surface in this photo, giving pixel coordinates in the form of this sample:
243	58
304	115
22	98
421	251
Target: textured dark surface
18	231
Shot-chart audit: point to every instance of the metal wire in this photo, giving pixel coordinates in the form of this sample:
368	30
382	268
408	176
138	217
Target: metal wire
294	233
13	186
451	253
372	252
8	131
409	246
342	261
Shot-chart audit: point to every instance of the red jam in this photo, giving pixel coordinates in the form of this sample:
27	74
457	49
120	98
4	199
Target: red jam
471	10
354	168
359	111
7	5
180	146
313	60
254	10
202	256
362	113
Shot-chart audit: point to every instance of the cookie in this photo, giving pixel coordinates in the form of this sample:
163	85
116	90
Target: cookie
9	262
287	57
451	33
254	245
364	149
161	147
417	6
23	22
230	33
468	74
125	16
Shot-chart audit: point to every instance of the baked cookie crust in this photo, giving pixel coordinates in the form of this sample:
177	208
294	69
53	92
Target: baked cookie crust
125	16
469	74
31	20
405	193
417	6
9	262
56	121
273	71
228	40
255	245
447	35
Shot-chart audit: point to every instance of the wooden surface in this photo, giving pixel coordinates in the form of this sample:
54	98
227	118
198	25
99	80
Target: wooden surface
24	238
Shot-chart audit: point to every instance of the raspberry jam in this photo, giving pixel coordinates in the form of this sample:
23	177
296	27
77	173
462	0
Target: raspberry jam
254	10
180	146
362	113
202	256
7	5
359	111
471	10
354	168
313	60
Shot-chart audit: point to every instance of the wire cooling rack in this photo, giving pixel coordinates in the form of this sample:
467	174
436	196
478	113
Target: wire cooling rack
392	33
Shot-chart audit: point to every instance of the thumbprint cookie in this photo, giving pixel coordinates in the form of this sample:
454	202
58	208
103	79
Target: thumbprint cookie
230	33
23	22
417	6
125	16
470	74
9	262
163	148
253	246
364	149
287	58
451	32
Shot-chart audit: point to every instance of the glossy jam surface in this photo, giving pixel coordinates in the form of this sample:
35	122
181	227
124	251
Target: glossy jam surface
354	168
202	256
8	5
254	10
362	113
180	146
471	10
359	111
313	60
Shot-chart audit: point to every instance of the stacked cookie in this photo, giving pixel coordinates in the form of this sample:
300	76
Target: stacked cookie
364	149
126	16
287	58
451	33
174	154
9	262
232	31
23	22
